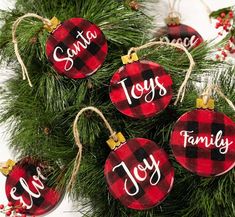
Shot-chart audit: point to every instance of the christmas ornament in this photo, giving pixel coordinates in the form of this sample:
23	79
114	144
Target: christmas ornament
175	32
26	185
203	140
182	34
76	48
137	171
141	89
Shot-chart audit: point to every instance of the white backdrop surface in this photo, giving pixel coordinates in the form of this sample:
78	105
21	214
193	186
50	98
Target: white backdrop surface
193	12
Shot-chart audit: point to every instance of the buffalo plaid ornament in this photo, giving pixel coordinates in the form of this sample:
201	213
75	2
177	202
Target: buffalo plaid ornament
141	89
183	34
203	142
26	185
175	32
76	48
139	174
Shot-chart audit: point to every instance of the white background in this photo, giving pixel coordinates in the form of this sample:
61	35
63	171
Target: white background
193	12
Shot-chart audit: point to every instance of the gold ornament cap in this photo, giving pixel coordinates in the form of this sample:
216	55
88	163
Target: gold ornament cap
205	104
114	144
54	24
129	58
172	21
6	168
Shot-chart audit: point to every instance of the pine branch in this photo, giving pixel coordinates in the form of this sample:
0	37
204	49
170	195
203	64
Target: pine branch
41	117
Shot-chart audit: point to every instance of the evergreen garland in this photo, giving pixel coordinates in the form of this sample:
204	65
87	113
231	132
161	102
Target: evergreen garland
41	117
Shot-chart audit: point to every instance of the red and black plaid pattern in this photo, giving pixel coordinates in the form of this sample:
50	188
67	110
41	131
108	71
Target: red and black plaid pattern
146	98
22	181
182	32
78	53
135	156
199	140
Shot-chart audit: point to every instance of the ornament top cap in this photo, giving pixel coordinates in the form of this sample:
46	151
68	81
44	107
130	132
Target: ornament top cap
54	23
114	144
201	103
6	168
172	20
129	58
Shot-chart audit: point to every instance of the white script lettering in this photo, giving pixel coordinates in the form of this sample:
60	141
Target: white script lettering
71	52
217	140
36	183
186	42
140	174
137	90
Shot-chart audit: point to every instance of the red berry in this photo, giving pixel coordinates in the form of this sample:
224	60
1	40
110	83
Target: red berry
232	51
22	210
227	21
23	215
232	39
10	203
1	206
222	15
224	53
24	207
217	56
227	47
219	19
8	213
217	25
230	14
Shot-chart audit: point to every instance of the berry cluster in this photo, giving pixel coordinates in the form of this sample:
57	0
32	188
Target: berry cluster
224	22
13	211
228	49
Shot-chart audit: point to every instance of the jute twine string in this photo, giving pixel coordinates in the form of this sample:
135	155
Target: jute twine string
172	12
182	89
15	42
172	5
77	162
207	93
206	6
